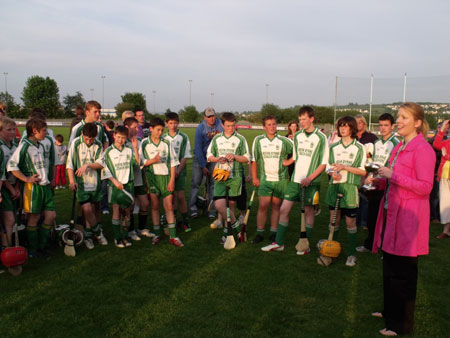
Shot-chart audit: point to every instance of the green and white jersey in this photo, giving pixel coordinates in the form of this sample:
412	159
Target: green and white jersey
50	154
148	150
180	143
79	154
7	153
119	164
310	151
269	155
383	149
137	169
50	133
235	144
76	132
2	166
29	158
353	155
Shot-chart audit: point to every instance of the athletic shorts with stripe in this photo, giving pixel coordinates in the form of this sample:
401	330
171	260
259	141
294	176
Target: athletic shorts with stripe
273	188
37	198
157	184
350	200
294	193
113	191
84	197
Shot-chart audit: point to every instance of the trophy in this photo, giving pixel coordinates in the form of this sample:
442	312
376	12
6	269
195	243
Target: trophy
371	168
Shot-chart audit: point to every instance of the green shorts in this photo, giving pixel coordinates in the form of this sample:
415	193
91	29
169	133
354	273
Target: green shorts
157	184
84	197
275	189
140	190
350	200
37	198
235	185
294	193
180	182
7	202
113	192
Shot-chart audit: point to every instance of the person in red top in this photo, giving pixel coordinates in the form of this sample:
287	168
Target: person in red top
444	178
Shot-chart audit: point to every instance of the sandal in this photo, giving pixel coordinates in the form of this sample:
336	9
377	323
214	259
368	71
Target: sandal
442	235
377	314
386	332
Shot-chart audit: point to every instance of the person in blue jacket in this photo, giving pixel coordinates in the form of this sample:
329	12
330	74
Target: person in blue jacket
207	129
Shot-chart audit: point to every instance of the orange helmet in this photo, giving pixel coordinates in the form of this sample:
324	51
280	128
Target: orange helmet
330	249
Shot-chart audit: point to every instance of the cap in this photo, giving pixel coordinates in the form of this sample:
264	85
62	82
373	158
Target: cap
210	112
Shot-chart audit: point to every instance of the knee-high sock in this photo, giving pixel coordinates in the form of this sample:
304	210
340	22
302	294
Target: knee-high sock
33	237
281	233
44	234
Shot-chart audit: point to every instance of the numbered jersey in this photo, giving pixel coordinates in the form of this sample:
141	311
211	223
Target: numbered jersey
382	150
149	150
310	151
236	144
269	155
8	150
29	158
79	154
353	155
119	163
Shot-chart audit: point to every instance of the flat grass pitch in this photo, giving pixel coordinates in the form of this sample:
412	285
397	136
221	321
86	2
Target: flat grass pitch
201	290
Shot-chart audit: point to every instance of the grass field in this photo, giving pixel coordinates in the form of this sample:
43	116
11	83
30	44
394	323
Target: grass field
201	290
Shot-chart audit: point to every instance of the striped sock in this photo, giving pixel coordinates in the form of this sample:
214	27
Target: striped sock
172	230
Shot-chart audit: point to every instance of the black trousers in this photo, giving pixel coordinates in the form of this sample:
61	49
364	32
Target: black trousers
399	286
374	198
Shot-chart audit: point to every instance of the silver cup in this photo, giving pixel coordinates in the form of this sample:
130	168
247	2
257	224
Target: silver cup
371	168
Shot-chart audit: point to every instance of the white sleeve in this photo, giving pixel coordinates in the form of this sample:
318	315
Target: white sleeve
174	162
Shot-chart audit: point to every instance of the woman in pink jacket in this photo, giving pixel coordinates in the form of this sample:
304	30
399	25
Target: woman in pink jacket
402	230
444	179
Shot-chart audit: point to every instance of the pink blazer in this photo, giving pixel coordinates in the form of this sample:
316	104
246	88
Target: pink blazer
408	215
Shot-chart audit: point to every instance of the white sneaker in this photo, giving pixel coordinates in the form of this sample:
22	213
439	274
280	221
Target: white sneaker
89	243
126	243
273	247
118	243
351	261
146	233
105	212
217	224
102	239
136	210
362	248
302	253
133	235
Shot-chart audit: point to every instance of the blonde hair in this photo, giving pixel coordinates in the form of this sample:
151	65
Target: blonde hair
362	118
418	114
126	114
6	121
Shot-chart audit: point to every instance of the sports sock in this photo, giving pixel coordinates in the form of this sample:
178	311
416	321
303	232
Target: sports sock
273	231
236	226
96	229
172	230
260	232
142	220
116	228
88	233
282	228
131	223
309	230
335	233
351	241
157	230
44	234
33	237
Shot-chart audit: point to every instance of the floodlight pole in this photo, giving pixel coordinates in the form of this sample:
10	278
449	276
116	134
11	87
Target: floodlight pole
404	89
6	83
267	93
371	102
335	102
103	91
190	92
154	101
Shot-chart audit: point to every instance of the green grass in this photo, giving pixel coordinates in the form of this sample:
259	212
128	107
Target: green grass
202	290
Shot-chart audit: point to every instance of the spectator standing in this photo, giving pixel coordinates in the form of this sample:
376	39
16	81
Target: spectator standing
142	124
207	129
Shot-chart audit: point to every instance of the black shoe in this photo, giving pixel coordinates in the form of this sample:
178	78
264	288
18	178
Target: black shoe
273	238
258	239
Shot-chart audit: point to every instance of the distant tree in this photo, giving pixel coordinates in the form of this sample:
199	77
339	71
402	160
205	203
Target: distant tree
133	101
190	114
12	108
43	93
71	102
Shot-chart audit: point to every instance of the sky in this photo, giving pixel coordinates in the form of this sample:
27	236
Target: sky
245	52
